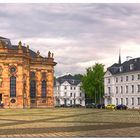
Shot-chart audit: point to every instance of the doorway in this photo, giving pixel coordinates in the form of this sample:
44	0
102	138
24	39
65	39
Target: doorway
0	97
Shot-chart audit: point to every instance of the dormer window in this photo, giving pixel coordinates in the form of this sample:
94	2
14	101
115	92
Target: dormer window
131	66
72	81
121	68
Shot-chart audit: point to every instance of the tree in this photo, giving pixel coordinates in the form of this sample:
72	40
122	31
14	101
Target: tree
93	83
78	76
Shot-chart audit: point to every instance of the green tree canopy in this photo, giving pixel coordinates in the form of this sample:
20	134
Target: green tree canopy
92	82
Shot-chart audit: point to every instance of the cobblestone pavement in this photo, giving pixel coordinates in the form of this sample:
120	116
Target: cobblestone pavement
69	122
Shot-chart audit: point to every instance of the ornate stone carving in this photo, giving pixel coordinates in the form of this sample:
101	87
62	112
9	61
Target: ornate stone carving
20	45
12	70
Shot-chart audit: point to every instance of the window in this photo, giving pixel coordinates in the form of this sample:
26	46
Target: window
126	89
121	89
138	88
131	66
80	101
12	69
138	100
12	86
65	101
132	88
80	94
65	87
72	81
121	79
71	102
108	80
43	89
117	101
116	79
126	78
74	88
65	93
121	100
70	94
132	101
109	90
33	89
126	101
138	76
132	77
116	90
71	88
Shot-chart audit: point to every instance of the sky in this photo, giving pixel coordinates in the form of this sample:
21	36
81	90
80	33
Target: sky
79	35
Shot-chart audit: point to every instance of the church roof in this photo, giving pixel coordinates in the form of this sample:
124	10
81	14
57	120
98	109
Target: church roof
3	37
72	80
15	47
125	66
32	53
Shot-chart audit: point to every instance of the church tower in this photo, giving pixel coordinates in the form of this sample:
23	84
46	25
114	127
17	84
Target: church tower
119	58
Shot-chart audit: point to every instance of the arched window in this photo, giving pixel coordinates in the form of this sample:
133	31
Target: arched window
43	89
12	86
33	89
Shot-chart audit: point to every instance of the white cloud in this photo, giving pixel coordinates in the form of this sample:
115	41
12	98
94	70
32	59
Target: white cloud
78	34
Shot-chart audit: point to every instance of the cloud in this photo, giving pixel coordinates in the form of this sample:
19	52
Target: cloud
79	34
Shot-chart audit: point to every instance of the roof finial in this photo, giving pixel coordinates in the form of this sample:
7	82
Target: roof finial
119	56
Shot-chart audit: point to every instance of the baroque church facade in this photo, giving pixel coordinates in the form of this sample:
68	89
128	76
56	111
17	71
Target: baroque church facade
26	78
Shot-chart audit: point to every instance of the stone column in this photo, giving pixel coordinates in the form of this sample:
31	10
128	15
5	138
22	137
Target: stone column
27	105
19	86
26	83
6	86
50	94
38	87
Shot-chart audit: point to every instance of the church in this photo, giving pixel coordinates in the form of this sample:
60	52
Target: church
26	78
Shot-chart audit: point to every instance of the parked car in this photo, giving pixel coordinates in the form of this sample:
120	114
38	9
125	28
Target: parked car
69	105
63	105
90	105
57	105
110	106
76	105
100	106
121	107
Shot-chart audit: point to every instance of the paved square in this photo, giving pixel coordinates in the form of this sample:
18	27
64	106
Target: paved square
69	122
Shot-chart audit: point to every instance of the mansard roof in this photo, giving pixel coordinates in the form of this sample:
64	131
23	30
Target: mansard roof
72	80
125	66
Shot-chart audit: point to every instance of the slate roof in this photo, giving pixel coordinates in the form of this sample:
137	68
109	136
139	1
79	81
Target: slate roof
115	68
69	78
32	53
3	37
15	47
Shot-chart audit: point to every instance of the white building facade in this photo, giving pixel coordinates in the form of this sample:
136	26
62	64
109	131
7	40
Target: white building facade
68	91
122	84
